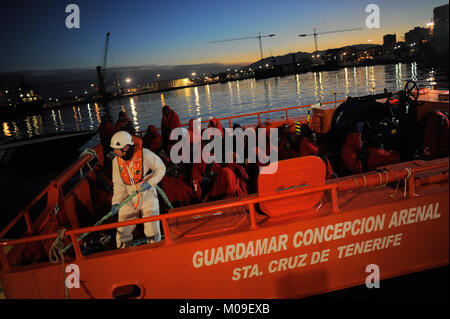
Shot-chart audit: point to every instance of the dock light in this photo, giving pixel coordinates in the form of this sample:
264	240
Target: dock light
85	92
158	75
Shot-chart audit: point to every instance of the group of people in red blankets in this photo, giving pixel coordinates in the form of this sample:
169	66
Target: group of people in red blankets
190	183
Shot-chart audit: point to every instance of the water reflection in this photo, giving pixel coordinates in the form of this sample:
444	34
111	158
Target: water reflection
54	121
414	71
91	121
6	130
316	93
398	76
299	91
77	124
346	81
372	84
197	98
238	93
321	87
208	96
134	114
60	120
29	126
97	112
230	88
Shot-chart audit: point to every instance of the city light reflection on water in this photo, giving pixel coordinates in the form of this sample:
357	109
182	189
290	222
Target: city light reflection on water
6	130
232	98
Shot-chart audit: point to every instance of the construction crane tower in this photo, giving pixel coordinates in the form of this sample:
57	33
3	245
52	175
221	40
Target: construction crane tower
315	34
259	36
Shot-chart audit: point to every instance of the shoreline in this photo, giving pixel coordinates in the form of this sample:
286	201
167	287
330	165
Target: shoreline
97	99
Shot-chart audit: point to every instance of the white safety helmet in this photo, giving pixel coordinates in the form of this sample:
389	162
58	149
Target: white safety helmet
121	139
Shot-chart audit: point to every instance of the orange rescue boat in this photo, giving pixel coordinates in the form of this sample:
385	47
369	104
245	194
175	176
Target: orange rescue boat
300	235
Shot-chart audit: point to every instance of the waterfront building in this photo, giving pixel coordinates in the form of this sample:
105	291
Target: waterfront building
389	41
440	17
416	36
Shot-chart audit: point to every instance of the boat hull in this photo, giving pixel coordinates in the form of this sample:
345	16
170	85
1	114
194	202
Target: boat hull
279	267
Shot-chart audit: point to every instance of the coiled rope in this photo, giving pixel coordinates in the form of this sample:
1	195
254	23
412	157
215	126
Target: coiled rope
56	252
406	181
110	214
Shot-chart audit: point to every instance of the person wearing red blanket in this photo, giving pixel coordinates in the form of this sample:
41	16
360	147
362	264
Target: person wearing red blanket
286	144
106	131
350	161
124	123
214	122
308	146
152	140
176	190
242	175
202	177
169	121
378	156
231	181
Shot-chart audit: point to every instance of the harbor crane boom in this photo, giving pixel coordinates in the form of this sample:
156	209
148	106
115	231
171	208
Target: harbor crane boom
106	52
245	38
315	34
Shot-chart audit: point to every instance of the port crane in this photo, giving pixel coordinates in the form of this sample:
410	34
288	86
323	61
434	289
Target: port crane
315	34
106	52
259	36
105	58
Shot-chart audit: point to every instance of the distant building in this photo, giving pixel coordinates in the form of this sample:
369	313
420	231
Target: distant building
416	35
342	55
440	17
389	41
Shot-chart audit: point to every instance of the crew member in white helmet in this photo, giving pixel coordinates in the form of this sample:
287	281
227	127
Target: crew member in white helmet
135	168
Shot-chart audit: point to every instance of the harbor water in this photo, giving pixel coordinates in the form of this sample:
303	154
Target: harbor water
232	98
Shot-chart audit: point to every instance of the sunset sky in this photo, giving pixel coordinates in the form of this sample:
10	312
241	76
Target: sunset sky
34	35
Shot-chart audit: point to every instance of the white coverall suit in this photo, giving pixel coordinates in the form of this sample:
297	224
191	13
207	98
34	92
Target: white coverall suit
148	200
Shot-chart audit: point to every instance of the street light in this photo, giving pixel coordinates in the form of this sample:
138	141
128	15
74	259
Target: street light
128	80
